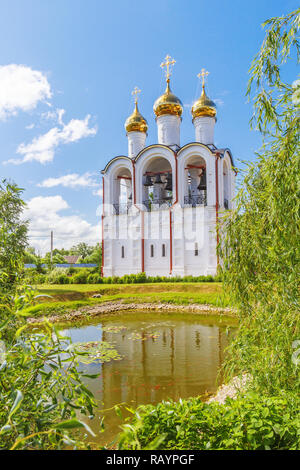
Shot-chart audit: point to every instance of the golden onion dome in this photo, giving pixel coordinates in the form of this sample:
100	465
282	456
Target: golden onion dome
204	106
136	122
168	103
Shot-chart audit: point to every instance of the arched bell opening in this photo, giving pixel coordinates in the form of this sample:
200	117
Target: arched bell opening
195	182
122	191
157	184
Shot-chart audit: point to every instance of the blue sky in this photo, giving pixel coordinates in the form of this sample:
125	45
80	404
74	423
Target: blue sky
66	74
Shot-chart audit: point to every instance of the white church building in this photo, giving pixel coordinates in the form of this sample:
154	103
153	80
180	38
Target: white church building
161	202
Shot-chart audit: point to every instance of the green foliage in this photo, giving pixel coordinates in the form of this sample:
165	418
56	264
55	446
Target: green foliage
41	391
42	395
94	257
80	277
82	249
13	235
93	276
260	246
247	423
57	276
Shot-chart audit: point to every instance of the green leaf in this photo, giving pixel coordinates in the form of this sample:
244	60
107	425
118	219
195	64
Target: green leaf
17	403
156	442
72	424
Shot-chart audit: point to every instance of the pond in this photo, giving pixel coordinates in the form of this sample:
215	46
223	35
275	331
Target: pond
160	356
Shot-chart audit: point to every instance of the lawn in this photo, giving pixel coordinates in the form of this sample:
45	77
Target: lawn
73	296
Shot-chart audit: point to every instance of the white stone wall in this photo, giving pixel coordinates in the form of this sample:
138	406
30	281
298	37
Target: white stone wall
190	226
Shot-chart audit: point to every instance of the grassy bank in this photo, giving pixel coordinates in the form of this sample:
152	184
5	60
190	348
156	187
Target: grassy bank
70	297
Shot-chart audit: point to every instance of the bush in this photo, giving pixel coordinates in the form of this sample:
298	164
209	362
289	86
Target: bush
63	279
80	277
94	278
54	276
248	423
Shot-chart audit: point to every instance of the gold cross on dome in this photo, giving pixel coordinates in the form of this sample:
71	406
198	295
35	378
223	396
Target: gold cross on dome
136	92
169	62
203	74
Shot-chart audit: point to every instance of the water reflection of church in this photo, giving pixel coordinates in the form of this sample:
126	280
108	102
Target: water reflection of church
182	362
162	201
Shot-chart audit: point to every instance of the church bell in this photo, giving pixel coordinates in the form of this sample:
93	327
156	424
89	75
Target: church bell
148	181
169	182
158	179
202	184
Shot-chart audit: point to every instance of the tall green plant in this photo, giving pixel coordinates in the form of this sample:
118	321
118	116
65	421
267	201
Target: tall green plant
13	234
260	247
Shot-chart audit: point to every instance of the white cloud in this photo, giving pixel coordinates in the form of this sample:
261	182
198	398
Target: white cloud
55	115
44	215
98	192
42	148
21	89
218	101
73	180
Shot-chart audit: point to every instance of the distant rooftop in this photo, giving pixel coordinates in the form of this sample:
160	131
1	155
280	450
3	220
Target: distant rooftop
71	259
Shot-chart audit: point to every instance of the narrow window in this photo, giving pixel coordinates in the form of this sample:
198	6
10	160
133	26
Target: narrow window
123	252
151	251
196	249
163	250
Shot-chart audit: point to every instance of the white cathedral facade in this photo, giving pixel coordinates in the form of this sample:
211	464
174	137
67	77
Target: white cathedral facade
162	202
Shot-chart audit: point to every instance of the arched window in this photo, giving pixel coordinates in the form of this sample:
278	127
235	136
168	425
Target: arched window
122	252
226	185
152	251
163	250
196	249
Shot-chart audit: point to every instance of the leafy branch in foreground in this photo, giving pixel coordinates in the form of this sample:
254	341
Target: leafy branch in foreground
260	246
43	399
275	100
41	391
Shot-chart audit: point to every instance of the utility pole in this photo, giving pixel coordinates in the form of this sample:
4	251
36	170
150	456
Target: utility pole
51	253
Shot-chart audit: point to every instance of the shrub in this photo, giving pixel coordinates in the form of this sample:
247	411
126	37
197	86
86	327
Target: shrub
54	275
94	278
80	277
247	423
63	279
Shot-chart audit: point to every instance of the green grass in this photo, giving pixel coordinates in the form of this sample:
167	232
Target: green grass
72	297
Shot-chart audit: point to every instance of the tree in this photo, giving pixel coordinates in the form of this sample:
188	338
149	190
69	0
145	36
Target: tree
95	256
30	256
13	234
82	249
261	246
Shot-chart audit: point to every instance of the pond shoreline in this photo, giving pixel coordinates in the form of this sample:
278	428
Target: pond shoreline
112	307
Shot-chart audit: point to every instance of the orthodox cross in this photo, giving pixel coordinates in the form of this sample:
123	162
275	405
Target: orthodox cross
203	74
169	62
136	92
